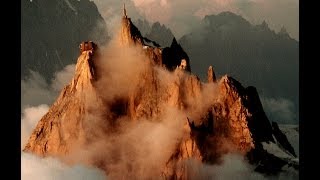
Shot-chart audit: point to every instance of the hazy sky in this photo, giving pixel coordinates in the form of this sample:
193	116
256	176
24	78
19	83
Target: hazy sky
181	15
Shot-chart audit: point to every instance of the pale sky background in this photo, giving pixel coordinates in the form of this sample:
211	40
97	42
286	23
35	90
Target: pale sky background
180	15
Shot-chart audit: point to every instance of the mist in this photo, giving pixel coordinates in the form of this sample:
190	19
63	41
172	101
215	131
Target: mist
36	168
132	148
233	165
35	90
280	110
123	146
29	120
182	16
137	145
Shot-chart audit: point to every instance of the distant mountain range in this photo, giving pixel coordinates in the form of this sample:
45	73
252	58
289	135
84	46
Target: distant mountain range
255	54
50	30
252	53
157	32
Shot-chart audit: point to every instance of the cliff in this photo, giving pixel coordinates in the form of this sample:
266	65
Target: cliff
117	92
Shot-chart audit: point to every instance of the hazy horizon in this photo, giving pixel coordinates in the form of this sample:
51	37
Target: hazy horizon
181	16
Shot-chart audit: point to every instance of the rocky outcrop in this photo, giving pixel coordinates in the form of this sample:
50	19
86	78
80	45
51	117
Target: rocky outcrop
174	55
211	75
66	122
253	53
219	117
169	57
130	34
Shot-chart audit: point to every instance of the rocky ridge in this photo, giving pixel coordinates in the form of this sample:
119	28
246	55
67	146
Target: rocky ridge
220	116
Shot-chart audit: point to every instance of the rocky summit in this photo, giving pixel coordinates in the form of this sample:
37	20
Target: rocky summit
136	111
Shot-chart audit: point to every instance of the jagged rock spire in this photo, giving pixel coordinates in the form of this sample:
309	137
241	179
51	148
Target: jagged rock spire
63	125
124	11
130	34
211	75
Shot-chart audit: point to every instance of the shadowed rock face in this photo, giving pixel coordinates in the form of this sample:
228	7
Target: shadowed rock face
255	54
282	139
169	57
173	56
219	117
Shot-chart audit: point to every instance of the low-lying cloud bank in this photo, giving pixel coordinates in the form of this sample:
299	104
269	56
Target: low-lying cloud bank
35	90
29	120
37	168
232	166
280	110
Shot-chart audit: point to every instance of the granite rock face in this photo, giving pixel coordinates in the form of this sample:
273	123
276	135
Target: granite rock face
215	117
65	123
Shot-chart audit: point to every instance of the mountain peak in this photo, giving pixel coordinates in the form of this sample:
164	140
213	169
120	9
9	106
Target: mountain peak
170	57
130	34
226	19
264	24
72	104
211	119
211	75
124	11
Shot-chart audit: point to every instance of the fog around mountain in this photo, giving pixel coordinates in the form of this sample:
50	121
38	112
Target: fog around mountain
255	54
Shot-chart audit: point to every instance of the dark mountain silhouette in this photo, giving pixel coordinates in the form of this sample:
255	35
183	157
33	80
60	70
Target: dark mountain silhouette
156	31
51	29
143	25
253	54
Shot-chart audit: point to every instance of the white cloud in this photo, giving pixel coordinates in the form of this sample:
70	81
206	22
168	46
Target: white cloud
37	95
280	110
35	90
63	77
36	168
233	166
29	120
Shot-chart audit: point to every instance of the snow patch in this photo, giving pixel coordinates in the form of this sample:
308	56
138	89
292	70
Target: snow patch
148	43
292	133
274	149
